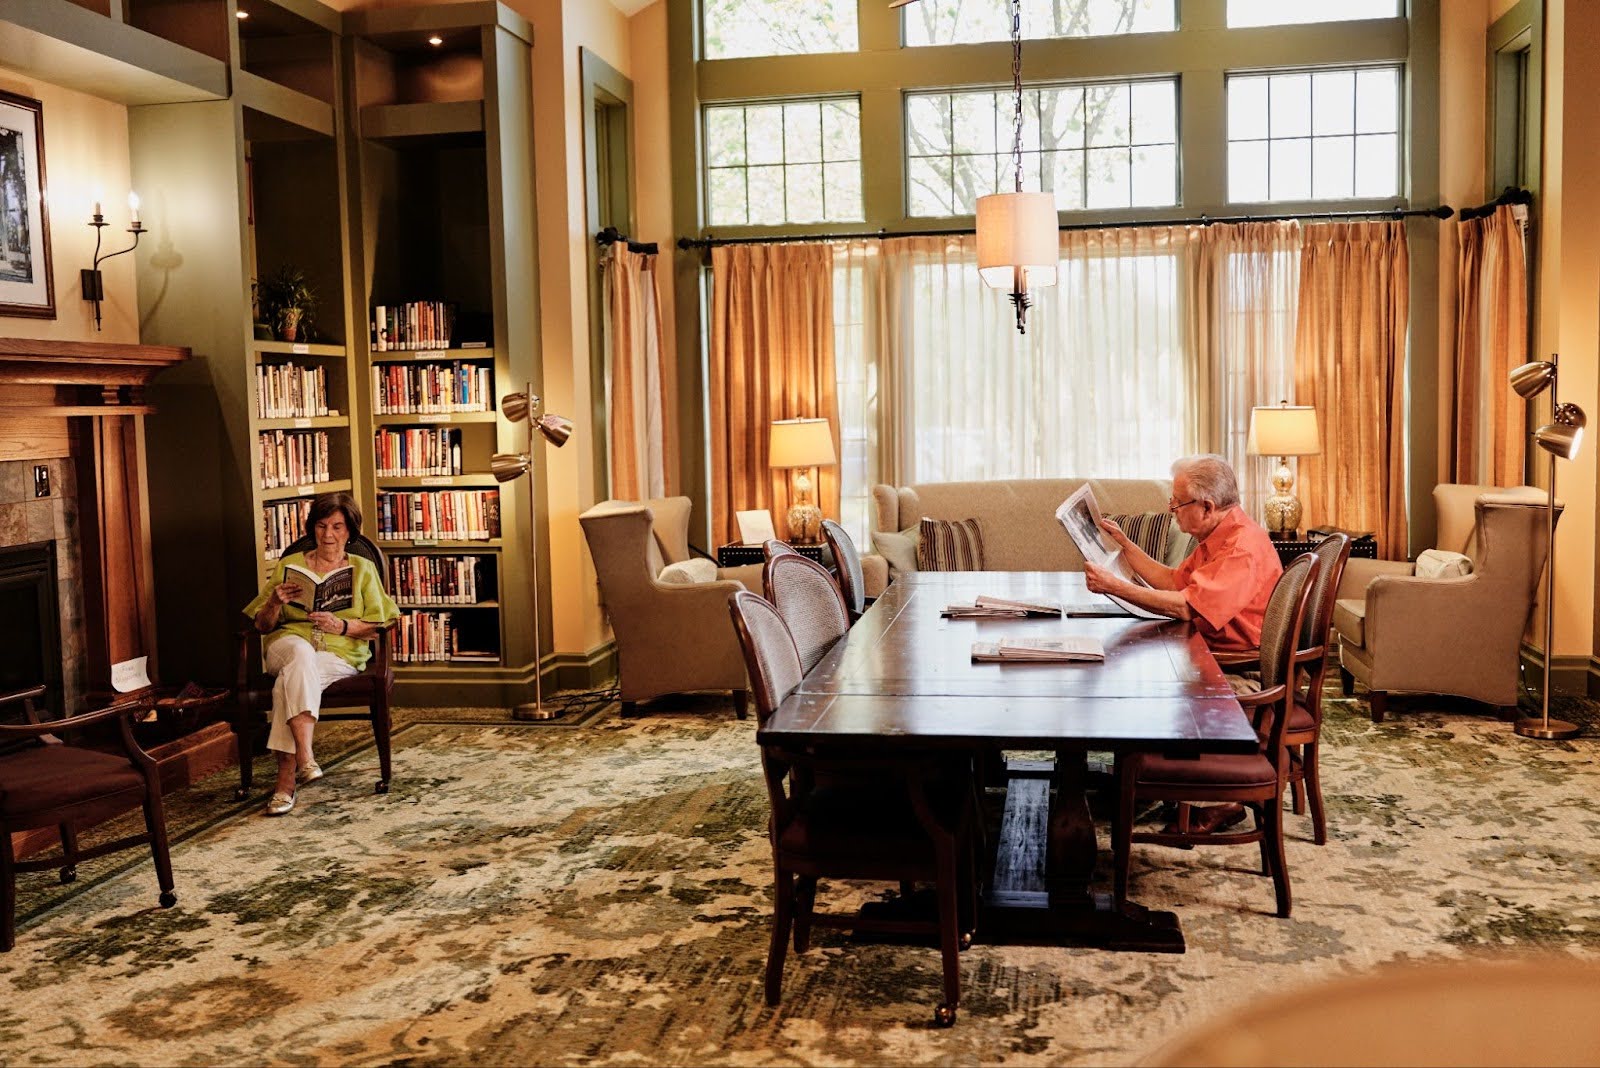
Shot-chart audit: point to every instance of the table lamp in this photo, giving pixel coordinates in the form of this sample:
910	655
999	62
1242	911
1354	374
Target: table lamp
1283	431
802	444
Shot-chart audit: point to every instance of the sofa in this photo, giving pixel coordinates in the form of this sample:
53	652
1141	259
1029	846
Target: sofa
1017	517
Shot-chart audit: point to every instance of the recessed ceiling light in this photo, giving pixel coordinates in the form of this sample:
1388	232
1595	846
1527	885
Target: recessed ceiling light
243	14
436	40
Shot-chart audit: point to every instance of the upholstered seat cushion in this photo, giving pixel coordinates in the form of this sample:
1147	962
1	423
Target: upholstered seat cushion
1350	620
54	776
1215	770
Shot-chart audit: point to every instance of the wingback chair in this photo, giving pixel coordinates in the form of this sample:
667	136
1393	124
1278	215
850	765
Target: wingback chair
671	638
1459	636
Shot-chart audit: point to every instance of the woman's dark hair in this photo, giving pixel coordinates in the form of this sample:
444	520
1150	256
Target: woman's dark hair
329	503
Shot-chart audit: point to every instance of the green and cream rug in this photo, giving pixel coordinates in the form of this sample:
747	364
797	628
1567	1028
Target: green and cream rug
601	895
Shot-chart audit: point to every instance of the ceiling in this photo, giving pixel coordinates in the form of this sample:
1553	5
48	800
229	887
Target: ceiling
631	7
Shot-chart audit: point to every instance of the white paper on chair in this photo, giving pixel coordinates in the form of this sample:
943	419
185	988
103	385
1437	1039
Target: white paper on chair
755	527
130	675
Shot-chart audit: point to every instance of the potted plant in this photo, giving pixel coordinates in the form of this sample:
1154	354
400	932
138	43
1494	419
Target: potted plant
288	303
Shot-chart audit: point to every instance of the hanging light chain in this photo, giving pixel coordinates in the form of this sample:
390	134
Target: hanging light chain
1016	86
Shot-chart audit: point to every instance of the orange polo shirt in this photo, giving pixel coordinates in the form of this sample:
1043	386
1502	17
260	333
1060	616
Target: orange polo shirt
1228	580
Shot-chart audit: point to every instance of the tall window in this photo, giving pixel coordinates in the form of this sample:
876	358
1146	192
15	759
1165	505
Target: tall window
1314	135
1100	145
942	22
1286	12
792	162
737	28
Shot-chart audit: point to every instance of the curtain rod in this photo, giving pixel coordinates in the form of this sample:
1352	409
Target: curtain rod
609	236
1508	195
1443	211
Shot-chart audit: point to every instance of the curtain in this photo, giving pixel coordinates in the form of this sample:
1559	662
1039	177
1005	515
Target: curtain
1246	293
772	357
866	422
639	443
1350	342
1491	339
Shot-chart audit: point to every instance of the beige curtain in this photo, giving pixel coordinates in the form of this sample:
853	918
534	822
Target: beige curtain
772	357
1491	339
641	441
1350	343
867	419
1245	296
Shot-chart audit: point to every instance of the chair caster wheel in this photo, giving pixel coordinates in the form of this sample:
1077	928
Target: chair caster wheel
240	793
168	899
945	1016
381	787
966	940
69	874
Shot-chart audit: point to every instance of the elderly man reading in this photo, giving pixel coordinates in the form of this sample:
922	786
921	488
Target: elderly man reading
1223	586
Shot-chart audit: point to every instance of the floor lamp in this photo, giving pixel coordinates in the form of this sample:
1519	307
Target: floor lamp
1560	438
528	407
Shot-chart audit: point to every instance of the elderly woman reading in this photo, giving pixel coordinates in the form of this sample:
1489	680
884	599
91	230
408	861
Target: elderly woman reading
318	610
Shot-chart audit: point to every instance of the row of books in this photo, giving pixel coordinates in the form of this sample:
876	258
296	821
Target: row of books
284	523
289	391
426	388
293	457
439	515
422	637
412	452
418	324
437	580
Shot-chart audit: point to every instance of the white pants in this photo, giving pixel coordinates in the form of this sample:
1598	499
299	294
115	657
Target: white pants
303	673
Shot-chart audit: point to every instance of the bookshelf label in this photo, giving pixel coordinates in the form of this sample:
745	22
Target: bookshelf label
434	417
424	541
300	350
474	344
302	422
306	490
437	480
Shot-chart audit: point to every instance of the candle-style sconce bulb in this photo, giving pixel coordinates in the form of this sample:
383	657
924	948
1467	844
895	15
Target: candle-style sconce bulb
90	279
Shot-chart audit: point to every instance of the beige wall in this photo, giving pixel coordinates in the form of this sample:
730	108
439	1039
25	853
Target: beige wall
85	148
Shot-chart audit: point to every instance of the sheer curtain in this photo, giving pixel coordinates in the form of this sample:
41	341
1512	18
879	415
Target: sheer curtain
640	437
865	423
1491	339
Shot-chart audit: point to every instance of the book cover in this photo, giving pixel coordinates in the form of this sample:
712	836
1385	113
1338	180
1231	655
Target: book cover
334	592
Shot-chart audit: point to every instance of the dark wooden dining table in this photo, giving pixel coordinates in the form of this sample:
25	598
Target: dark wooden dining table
903	680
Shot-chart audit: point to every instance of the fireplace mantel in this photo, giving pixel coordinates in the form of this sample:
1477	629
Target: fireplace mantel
108	365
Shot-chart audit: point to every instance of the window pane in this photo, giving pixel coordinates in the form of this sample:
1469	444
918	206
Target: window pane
1285	12
928	124
1378	165
1061	117
1247	108
803	188
841	130
841	189
766	194
765	162
1378	101
929	186
1155	176
724	136
734	28
1247	172
1289	97
1289	165
938	22
977	176
1109	179
975	123
1333	167
764	134
1105	110
1155	113
1066	177
727	198
802	133
1333	102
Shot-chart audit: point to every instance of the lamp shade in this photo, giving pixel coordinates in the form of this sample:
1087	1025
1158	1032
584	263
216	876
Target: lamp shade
506	466
1018	230
800	443
1284	430
1564	436
1532	379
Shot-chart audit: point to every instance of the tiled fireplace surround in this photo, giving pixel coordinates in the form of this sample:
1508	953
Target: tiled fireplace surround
25	520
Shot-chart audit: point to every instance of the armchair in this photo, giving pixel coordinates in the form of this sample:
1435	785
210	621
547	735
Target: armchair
1459	636
671	638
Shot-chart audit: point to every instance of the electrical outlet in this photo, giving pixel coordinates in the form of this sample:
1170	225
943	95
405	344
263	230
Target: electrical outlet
41	480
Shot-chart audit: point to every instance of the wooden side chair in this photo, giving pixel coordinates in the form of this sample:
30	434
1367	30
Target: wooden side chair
1255	780
46	783
847	561
361	696
838	817
809	603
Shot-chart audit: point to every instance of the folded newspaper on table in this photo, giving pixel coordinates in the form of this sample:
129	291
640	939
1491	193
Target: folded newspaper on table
1002	608
1061	649
1080	515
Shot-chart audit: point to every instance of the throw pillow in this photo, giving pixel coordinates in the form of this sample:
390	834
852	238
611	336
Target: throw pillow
900	549
1439	563
689	572
1149	531
950	545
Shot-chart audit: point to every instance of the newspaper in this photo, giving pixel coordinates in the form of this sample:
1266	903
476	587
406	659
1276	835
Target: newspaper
1001	608
1080	515
1061	649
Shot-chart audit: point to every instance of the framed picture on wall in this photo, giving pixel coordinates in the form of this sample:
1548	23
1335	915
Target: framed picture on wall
26	285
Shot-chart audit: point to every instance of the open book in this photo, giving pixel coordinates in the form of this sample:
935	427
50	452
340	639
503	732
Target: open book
1061	649
1001	608
1080	515
334	592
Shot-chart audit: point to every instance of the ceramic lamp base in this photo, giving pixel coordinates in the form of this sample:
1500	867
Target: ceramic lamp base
805	524
1280	513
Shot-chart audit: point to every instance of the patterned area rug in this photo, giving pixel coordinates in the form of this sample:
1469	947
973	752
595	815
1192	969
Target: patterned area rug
602	895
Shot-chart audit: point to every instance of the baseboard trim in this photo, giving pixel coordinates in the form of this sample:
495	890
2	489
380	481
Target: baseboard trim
581	671
1570	676
464	686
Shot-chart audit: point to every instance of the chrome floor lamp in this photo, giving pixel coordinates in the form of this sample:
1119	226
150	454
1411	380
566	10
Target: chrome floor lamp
1561	437
528	407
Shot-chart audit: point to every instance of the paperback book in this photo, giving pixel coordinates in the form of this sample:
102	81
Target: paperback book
333	592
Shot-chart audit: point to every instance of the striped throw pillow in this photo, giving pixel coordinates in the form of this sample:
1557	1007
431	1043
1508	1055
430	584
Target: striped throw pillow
1149	531
950	545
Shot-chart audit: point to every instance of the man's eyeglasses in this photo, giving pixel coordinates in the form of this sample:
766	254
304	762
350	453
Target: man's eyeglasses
1173	504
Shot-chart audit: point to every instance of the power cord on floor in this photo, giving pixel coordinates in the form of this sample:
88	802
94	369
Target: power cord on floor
583	703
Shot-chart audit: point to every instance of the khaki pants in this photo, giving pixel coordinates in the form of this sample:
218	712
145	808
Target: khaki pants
303	673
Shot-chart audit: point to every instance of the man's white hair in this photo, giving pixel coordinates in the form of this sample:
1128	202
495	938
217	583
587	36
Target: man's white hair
1210	477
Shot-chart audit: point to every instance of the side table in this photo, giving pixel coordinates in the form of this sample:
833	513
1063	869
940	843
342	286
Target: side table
738	554
1362	545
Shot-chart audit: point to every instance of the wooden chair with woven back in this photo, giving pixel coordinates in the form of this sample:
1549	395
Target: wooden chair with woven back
1255	780
847	562
809	602
841	816
45	782
363	696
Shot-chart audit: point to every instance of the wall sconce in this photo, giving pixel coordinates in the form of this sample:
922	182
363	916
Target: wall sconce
90	279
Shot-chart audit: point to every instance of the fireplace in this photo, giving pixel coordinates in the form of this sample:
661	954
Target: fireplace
31	652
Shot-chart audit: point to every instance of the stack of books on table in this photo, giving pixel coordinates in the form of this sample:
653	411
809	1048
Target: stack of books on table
1058	650
1001	608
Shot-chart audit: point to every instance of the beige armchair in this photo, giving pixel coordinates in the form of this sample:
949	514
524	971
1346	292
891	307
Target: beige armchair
1460	636
671	638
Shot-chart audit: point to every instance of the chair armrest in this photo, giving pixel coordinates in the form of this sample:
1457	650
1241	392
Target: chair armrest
1247	659
874	575
68	723
1408	612
1359	573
